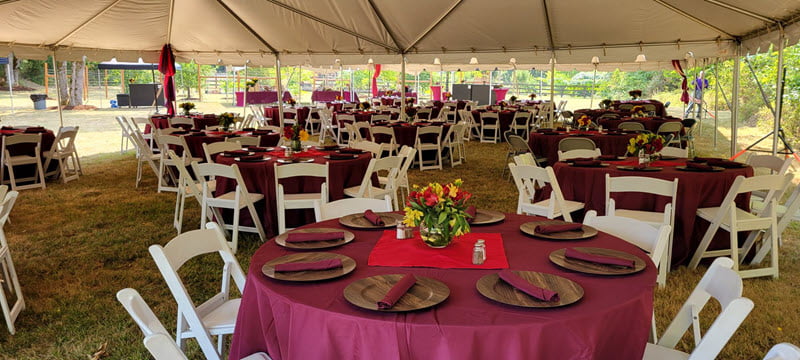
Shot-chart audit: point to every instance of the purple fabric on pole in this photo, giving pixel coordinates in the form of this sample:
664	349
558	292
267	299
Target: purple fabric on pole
166	66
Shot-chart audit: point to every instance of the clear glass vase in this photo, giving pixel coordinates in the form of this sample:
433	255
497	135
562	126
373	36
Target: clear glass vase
434	237
296	145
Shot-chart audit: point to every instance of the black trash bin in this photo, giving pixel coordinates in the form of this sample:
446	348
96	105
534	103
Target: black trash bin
39	101
123	100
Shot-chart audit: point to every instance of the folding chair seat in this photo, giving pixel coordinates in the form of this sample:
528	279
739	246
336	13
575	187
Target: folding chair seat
304	200
17	152
529	179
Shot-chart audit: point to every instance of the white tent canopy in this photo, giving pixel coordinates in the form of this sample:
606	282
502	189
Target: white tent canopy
316	33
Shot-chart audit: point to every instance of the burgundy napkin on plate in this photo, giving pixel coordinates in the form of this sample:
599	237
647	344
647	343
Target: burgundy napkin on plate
698	166
235	152
725	163
261	132
251	158
561	129
319	236
557	228
257	149
397	291
607	157
471	211
580	159
340	156
523	285
350	151
374	218
598	259
249	129
314	265
587	163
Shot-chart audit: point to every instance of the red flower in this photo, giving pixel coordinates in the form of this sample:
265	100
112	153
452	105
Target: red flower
430	197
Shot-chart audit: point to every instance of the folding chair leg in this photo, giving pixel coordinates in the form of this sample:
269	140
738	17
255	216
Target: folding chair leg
257	222
12	178
701	248
234	243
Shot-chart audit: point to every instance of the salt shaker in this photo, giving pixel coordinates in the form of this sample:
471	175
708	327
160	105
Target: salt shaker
401	231
287	152
479	252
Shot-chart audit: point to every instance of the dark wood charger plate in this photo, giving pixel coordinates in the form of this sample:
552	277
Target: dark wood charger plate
713	169
281	239
264	158
342	157
487	217
358	221
494	288
589	166
295	160
366	293
588	267
635	168
348	265
529	228
249	153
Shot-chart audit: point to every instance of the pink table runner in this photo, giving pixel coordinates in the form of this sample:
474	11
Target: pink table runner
389	251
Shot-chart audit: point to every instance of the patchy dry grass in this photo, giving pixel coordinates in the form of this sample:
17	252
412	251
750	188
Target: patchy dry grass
75	245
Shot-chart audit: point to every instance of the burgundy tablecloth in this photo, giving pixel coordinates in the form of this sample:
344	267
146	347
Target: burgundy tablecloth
506	117
595	113
406	134
695	190
362	116
326	96
25	171
547	145
195	142
261	97
272	113
650	123
660	109
260	178
314	321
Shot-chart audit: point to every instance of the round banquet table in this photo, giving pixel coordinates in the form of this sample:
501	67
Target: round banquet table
25	171
650	123
272	113
260	178
362	116
609	144
314	321
406	134
661	110
695	190
195	142
506	117
596	113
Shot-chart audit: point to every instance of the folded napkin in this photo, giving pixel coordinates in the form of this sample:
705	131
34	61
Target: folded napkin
557	228
257	149
235	152
551	133
320	236
471	211
397	291
698	166
587	163
580	159
251	158
523	285
249	129
561	129
374	218
607	157
340	156
350	151
261	132
598	259
725	163
35	129
314	265
330	147
184	132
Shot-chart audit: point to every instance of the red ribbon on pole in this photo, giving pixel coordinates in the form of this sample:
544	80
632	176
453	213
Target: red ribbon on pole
166	66
684	84
375	80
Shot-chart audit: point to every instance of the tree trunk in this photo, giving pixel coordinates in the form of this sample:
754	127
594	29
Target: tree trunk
63	86
76	84
16	71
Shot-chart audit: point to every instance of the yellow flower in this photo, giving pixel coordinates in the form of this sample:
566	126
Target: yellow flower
412	216
453	191
303	135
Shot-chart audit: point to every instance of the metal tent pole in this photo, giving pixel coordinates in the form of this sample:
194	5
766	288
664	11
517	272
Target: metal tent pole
594	82
551	116
402	83
10	78
246	88
279	86
735	98
778	95
716	108
58	92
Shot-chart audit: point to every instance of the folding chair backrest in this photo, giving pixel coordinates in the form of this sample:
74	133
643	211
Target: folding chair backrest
339	208
647	185
567	144
181	121
373	147
639	233
630	125
723	284
383	132
294	170
487	115
164	142
518	144
530	178
254	140
208	170
578	153
430	131
212	149
525	159
22	139
671	127
379	117
774	164
783	351
188	182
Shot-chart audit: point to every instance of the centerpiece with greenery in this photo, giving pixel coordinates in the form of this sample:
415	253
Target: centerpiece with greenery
635	94
187	106
439	211
532	96
513	99
649	143
226	120
637	111
295	135
364	105
584	122
251	84
606	104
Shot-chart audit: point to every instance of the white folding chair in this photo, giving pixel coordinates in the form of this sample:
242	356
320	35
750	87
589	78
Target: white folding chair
144	155
344	120
188	186
20	158
304	200
243	141
389	165
676	152
403	188
732	219
786	212
671	128
768	164
473	128
182	122
724	285
212	149
454	143
578	153
339	208
166	179
11	281
383	133
64	153
141	123
490	121
125	135
521	125
215	316
526	159
235	200
631	125
423	114
575	143
374	148
429	140
783	351
647	185
528	179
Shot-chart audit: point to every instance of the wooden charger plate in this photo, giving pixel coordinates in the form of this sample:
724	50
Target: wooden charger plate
486	217
281	239
295	160
366	293
492	287
585	232
588	267
348	265
358	221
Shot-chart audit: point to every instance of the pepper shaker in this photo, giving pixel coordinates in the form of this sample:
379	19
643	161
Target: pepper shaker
479	252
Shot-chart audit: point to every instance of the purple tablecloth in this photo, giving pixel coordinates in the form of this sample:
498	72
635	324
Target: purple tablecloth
260	97
650	123
272	113
660	109
327	96
547	145
290	320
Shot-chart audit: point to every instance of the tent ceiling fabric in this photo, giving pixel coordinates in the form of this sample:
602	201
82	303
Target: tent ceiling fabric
316	33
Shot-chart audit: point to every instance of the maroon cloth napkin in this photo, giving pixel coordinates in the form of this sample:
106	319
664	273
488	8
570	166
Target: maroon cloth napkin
580	159
257	149
561	129
251	158
374	218
261	132
471	211
340	156
523	285
330	147
587	163
397	291
607	157
183	132
7	128
598	259
350	151
698	166
249	129
320	236
314	265
552	229
706	159
35	129
235	152
725	163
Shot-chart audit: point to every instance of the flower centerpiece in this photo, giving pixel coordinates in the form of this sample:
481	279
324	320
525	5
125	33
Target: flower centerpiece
635	94
446	95
338	97
637	111
410	100
227	119
187	106
410	112
291	102
532	96
502	105
439	211
650	144
251	83
513	99
606	104
388	93
295	135
364	105
584	121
